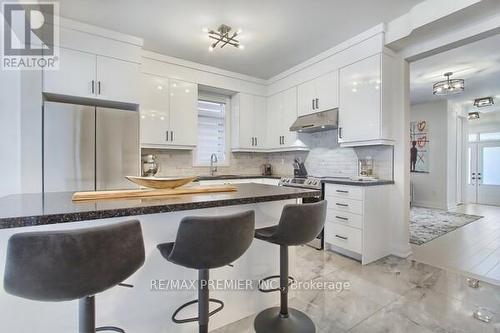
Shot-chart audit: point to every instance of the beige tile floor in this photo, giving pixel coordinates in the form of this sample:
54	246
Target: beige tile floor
473	249
390	295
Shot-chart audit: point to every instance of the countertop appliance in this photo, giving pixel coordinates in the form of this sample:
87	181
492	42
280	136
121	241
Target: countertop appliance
150	165
266	170
313	183
88	148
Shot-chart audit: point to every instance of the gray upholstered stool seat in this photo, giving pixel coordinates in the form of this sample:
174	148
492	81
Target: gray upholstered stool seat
299	224
204	243
75	264
266	234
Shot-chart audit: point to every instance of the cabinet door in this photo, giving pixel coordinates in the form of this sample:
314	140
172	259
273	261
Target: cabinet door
274	115
117	80
360	99
77	71
326	88
259	121
306	95
154	109
246	121
183	113
289	116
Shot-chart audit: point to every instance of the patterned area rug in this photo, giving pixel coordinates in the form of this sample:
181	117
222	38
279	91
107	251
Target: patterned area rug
427	223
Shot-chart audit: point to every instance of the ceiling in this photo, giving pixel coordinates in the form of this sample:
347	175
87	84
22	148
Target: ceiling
277	34
478	63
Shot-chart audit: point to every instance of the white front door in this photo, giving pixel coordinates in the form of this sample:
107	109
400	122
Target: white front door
483	186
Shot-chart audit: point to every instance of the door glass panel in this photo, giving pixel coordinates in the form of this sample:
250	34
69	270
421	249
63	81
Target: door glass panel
491	162
489	136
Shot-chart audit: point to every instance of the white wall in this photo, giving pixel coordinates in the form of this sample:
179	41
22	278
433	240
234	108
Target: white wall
438	188
10	132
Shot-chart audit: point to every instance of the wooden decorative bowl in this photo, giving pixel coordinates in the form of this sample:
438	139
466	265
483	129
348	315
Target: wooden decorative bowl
161	183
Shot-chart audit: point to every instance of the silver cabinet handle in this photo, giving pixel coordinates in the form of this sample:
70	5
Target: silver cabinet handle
171	135
253	142
313	103
342	218
317	103
341	204
166	135
340	132
342	237
93	83
342	191
256	142
99	87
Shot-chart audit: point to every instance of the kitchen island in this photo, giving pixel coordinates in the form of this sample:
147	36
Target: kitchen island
149	305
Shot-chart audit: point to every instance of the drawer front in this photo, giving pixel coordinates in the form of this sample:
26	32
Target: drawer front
345	218
345	205
345	237
344	191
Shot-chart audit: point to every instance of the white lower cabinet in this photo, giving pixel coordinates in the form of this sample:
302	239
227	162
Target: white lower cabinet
358	221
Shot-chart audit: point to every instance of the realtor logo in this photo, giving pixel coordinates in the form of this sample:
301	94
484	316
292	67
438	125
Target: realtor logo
30	30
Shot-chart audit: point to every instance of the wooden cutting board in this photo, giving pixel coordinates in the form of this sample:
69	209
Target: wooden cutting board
148	193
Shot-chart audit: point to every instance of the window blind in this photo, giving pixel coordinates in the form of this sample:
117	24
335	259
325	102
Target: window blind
211	132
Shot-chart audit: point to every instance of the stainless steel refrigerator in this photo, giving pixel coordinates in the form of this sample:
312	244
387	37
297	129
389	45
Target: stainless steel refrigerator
88	148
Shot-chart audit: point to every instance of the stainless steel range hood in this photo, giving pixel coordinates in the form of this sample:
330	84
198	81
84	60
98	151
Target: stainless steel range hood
316	122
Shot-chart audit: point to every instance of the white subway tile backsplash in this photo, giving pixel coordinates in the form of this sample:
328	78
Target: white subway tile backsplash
325	158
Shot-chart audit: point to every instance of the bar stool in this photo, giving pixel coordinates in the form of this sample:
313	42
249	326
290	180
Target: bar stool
204	243
66	265
299	224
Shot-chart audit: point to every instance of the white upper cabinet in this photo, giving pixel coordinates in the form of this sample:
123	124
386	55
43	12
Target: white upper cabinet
168	113
318	95
87	75
364	118
281	114
183	113
154	109
117	80
327	92
75	77
248	122
260	121
306	98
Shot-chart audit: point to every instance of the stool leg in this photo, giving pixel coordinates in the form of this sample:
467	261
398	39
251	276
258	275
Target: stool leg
86	315
203	300
284	281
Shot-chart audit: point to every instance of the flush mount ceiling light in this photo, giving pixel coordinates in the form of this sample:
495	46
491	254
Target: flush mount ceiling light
484	101
473	115
448	86
224	36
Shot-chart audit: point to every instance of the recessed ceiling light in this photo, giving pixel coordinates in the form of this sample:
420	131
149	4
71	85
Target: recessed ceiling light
484	101
473	115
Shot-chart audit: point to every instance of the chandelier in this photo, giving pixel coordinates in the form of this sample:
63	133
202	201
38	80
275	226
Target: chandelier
448	86
223	36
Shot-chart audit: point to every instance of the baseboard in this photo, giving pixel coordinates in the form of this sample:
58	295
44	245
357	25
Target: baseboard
402	252
429	204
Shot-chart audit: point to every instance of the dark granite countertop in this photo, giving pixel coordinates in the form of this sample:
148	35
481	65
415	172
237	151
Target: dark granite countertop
39	209
351	182
222	177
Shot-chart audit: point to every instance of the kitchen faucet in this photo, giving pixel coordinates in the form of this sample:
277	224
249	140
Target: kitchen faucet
213	164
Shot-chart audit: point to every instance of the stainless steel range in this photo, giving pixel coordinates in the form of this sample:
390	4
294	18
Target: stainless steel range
313	183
